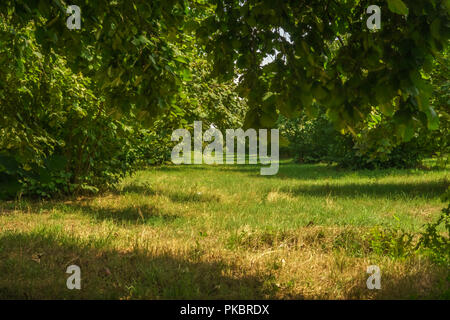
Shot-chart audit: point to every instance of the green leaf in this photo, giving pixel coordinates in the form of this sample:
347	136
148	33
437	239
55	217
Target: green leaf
56	163
398	7
186	75
267	96
319	92
312	111
446	4
141	40
268	120
8	164
435	29
286	108
9	188
181	59
405	131
433	119
387	108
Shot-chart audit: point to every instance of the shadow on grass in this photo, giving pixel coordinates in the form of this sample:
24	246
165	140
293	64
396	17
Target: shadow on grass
134	214
427	190
292	170
111	274
108	273
424	189
178	196
130	213
144	214
429	282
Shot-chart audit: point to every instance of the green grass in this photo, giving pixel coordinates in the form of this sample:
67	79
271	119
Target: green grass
226	232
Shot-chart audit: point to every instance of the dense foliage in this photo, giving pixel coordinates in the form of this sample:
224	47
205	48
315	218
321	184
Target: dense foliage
317	140
324	53
65	137
60	139
377	143
79	108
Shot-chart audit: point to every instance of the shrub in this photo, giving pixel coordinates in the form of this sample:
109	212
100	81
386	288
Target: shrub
55	134
435	243
316	140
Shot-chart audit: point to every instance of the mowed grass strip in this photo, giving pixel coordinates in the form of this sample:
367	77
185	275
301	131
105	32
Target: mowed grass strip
226	232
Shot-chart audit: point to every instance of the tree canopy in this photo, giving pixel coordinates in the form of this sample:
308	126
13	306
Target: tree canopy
323	52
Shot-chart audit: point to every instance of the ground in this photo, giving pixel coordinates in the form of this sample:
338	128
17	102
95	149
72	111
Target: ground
226	232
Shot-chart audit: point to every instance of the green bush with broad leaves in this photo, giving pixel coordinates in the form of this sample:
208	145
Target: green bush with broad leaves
55	134
317	140
378	142
435	240
60	136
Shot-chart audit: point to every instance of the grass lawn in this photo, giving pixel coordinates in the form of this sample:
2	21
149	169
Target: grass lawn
226	232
